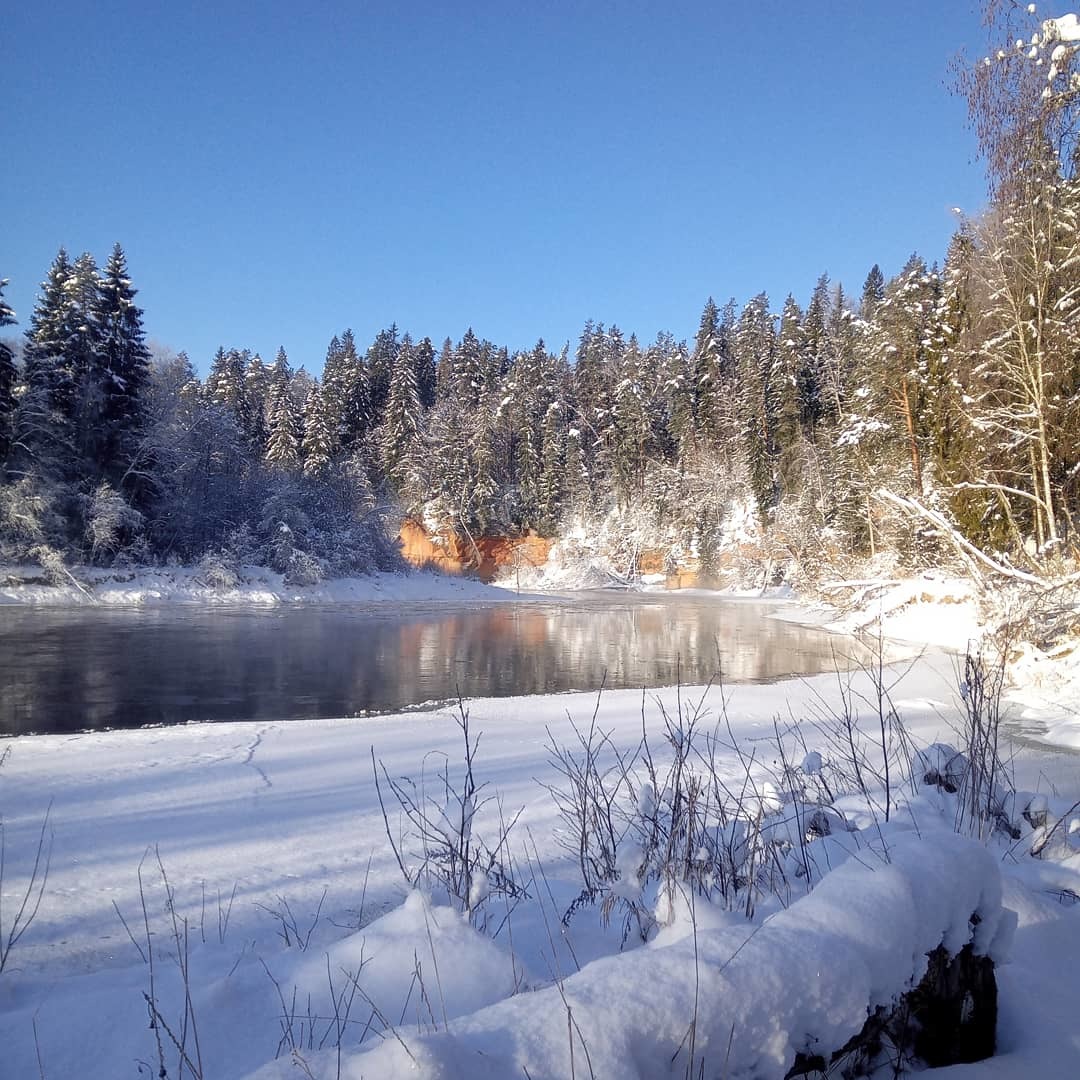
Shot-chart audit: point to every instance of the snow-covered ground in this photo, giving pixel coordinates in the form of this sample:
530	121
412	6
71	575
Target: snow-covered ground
255	858
256	586
285	813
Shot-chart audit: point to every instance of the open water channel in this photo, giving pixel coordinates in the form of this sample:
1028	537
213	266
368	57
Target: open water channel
74	669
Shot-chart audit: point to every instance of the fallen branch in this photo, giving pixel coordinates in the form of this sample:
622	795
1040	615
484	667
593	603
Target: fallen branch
971	555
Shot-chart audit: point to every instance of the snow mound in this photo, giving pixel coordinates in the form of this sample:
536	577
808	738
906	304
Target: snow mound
421	962
803	982
930	609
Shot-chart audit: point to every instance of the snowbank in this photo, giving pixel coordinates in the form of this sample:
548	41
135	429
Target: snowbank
931	609
803	982
257	586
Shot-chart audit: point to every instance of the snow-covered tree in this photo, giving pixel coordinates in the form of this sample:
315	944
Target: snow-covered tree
282	421
317	446
399	436
123	369
7	381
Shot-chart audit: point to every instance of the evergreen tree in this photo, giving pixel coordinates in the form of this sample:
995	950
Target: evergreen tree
755	345
702	411
400	432
873	292
444	373
790	363
380	366
225	383
425	373
7	382
61	400
347	392
283	424
898	353
482	499
256	402
124	368
466	378
317	445
811	376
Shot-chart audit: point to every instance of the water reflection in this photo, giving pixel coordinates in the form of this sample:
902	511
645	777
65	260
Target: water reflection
71	670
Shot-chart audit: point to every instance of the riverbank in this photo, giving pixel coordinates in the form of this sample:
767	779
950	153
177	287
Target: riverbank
268	843
248	586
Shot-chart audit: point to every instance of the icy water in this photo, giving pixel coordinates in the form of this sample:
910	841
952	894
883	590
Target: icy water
69	670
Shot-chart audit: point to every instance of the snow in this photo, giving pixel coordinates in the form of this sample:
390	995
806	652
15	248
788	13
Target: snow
826	952
1063	28
258	586
287	815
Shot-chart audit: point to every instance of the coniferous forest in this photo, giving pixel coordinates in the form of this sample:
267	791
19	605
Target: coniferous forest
929	412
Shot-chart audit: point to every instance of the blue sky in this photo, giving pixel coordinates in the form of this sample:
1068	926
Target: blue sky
279	171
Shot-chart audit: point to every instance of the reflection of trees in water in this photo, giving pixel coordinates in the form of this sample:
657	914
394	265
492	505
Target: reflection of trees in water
71	670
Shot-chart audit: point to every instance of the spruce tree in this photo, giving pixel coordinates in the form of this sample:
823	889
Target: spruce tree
758	400
256	403
283	424
7	382
59	344
380	366
124	368
318	441
810	377
425	373
873	292
791	347
354	387
400	432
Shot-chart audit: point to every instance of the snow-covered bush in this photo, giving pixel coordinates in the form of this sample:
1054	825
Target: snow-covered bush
218	570
940	765
438	845
110	523
648	825
303	569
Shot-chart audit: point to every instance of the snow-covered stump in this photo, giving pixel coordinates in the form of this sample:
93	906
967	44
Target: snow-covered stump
911	939
950	1018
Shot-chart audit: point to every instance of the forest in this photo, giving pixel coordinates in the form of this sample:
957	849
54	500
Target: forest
931	414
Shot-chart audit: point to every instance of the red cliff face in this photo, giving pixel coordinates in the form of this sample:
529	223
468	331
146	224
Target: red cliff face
485	557
491	557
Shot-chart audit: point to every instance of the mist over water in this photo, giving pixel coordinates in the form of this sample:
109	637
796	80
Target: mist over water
69	670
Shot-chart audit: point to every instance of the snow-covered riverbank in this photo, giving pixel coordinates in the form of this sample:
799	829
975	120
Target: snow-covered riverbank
253	585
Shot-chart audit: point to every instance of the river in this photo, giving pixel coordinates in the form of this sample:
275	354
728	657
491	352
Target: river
92	668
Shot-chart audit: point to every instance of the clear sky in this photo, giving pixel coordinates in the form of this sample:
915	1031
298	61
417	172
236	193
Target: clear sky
279	171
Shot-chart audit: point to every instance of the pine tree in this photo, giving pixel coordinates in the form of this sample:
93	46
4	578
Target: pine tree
7	382
790	362
61	345
124	368
283	424
256	402
899	355
354	388
225	383
755	345
380	366
484	487
444	372
700	413
400	432
425	373
811	377
873	292
318	443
